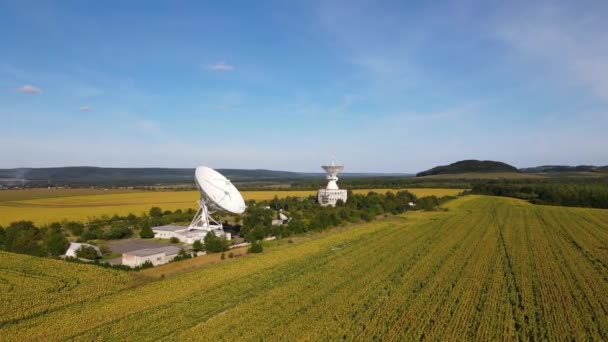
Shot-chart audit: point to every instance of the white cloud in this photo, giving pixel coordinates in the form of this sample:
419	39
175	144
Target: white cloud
220	66
29	89
86	108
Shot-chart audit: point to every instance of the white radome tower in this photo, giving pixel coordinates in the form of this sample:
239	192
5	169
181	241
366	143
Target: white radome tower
331	194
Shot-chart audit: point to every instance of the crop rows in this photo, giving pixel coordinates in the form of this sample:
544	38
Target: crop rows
30	286
487	269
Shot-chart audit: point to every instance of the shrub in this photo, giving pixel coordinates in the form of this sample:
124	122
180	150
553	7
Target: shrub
231	255
118	232
174	240
223	257
55	243
155	212
256	247
215	244
146	232
87	252
76	228
197	246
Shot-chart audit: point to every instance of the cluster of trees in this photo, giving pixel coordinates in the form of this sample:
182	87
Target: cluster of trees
120	227
211	244
592	195
306	215
25	238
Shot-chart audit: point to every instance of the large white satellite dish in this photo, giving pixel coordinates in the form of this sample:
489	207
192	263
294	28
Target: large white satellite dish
217	194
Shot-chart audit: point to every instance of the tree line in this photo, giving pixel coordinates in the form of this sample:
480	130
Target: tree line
305	215
572	194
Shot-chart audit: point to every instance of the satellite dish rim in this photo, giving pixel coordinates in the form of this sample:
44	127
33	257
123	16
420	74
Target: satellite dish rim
209	183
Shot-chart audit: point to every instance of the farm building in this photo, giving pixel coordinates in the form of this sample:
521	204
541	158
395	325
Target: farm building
157	256
184	234
74	246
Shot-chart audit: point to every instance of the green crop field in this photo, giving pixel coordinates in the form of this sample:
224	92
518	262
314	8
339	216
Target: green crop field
46	206
489	268
30	285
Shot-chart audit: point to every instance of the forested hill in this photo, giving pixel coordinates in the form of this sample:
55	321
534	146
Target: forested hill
467	166
85	175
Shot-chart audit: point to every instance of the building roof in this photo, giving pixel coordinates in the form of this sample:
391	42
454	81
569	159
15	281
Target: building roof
168	250
169	228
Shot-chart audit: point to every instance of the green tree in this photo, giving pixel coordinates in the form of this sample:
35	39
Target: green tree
76	228
87	252
155	212
118	231
258	219
215	244
197	246
256	247
146	232
23	237
55	243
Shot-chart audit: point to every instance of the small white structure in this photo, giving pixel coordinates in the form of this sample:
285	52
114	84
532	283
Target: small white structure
186	235
281	220
331	194
74	246
157	256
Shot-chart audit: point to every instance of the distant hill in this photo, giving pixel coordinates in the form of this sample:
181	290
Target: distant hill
469	166
86	175
564	168
104	176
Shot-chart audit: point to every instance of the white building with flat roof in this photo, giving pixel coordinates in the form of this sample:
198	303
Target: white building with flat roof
184	234
157	256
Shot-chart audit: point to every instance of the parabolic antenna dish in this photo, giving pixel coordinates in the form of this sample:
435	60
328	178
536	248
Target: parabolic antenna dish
219	192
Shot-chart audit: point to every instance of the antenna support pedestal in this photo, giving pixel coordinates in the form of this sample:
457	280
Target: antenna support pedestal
203	220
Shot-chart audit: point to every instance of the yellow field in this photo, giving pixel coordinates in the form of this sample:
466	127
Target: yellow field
488	269
56	205
20	195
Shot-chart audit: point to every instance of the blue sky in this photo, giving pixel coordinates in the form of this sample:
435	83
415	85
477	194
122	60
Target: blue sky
384	86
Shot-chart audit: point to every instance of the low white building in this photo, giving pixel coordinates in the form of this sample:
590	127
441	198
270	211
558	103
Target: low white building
74	246
185	235
331	196
157	256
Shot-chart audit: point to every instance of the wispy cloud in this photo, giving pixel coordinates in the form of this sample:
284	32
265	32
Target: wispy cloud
86	108
29	89
220	66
